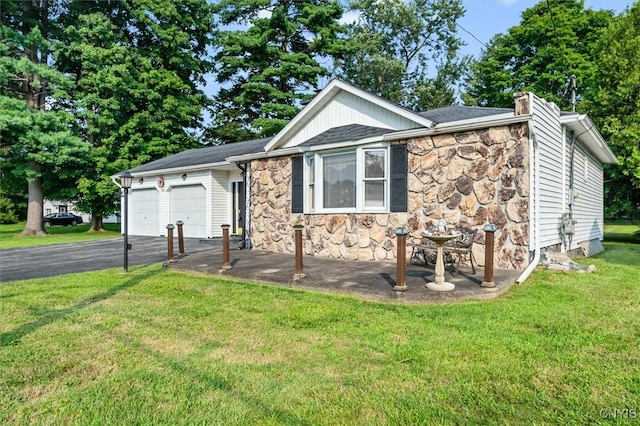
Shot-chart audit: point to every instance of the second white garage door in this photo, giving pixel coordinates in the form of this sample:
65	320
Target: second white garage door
189	204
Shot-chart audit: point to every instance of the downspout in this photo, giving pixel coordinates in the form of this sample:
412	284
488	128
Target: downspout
535	208
243	170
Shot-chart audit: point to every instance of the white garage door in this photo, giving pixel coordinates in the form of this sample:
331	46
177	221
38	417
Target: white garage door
189	204
143	212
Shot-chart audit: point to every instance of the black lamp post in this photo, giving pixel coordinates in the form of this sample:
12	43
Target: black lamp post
125	182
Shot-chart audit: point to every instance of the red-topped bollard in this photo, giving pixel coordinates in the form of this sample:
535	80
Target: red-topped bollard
170	243
489	242
226	261
401	259
297	230
180	238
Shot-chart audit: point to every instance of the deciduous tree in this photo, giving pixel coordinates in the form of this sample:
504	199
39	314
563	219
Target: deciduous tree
613	101
138	67
405	51
554	40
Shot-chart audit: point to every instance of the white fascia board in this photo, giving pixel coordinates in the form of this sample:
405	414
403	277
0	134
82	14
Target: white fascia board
346	144
460	126
324	97
587	133
182	169
258	155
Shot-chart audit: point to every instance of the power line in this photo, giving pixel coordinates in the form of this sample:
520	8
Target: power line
471	34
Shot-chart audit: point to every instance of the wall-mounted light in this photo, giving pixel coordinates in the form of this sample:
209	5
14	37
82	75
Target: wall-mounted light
140	181
184	176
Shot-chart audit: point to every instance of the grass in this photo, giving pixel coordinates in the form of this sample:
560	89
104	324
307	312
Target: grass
166	347
10	235
622	232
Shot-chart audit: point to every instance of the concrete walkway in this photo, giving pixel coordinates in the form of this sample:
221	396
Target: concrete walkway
369	280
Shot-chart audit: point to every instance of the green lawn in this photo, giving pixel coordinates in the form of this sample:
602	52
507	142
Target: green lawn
10	238
622	232
165	347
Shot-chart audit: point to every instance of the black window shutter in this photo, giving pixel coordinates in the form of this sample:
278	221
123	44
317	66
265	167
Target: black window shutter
297	188
399	178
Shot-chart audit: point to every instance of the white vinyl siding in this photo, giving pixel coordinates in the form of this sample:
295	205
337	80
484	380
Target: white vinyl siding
588	206
221	208
548	133
346	108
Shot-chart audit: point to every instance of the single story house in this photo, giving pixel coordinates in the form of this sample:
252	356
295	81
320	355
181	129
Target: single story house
352	167
55	206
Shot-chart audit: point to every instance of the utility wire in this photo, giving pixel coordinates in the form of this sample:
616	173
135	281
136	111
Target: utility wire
471	34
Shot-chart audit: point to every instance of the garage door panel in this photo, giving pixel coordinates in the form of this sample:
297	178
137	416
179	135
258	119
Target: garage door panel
143	212
189	204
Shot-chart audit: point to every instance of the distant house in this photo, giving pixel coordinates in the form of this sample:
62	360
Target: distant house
55	206
351	167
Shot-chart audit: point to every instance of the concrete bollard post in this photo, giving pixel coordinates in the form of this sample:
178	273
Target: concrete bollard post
180	238
170	243
489	243
226	261
297	230
401	259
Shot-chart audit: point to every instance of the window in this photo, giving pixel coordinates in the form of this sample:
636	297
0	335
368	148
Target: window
374	178
339	181
348	181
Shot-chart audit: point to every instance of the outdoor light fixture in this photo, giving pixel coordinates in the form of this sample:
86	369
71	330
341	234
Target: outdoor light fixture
184	176
126	179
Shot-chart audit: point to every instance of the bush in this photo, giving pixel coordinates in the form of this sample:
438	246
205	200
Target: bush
7	212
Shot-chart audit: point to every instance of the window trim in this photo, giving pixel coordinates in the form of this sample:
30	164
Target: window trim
316	160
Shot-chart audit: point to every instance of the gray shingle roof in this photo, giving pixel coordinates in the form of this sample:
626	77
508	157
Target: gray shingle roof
459	112
208	155
350	132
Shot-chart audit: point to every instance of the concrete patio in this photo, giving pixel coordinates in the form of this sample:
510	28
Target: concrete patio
368	280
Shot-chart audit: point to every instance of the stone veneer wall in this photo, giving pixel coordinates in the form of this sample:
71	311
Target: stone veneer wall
469	179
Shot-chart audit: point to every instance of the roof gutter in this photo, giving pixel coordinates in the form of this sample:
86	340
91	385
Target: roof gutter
194	168
581	124
534	179
459	126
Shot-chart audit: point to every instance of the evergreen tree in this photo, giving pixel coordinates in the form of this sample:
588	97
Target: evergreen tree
270	64
38	142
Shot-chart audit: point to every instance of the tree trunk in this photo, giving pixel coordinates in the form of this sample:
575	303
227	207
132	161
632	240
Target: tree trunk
96	224
34	209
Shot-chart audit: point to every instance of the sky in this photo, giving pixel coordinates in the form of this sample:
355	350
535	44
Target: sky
486	18
483	19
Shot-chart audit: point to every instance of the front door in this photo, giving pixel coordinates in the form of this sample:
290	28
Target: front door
238	207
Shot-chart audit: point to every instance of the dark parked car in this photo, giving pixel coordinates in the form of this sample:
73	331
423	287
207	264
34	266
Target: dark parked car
61	219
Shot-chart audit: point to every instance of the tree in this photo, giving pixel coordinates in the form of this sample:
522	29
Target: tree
554	40
38	140
405	51
270	64
613	102
138	67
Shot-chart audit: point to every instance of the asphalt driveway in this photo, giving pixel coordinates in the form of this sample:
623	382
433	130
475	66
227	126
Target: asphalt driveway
48	261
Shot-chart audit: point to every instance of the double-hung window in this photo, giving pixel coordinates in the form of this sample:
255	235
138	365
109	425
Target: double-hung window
356	180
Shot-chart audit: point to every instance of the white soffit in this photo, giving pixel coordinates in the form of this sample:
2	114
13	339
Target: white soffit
587	133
